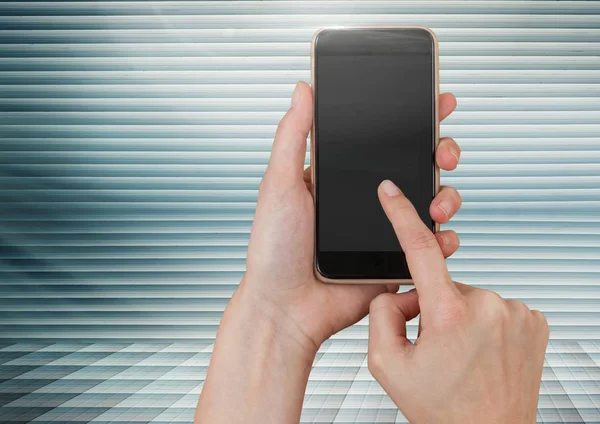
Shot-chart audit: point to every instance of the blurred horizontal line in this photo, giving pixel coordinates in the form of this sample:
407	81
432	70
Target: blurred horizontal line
472	145
230	239
509	196
264	131
517	250
253	35
166	105
148	186
136	170
210	8
165	230
108	277
270	91
272	63
256	118
276	48
299	21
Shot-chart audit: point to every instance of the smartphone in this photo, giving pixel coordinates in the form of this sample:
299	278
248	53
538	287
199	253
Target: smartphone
375	118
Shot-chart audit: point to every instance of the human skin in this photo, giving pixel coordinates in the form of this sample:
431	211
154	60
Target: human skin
478	358
280	314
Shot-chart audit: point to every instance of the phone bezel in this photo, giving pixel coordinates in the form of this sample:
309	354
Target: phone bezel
373	258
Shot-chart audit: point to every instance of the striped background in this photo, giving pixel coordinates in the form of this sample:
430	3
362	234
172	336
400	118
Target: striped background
133	136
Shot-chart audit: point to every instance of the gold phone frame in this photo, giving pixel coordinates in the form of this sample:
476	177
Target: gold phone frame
319	276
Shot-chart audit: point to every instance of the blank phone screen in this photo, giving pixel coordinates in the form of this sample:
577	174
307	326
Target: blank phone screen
374	120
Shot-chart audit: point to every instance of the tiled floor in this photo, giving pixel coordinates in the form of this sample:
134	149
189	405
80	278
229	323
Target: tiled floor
160	383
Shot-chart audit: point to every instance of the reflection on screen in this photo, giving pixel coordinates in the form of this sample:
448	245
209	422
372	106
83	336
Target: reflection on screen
374	122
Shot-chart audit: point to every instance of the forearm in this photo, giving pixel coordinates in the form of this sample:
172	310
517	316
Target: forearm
259	368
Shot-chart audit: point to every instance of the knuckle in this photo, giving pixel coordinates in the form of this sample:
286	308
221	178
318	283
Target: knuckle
495	309
400	207
519	308
452	313
543	324
283	125
288	127
381	301
375	361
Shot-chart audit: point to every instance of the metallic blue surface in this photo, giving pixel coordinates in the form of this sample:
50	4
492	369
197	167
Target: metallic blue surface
133	136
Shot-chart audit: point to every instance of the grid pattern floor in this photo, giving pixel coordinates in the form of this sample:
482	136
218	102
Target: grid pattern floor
160	383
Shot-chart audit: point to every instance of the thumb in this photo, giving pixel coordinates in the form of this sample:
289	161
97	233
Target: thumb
289	147
388	316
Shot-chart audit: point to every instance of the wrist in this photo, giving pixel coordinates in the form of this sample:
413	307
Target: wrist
259	362
255	315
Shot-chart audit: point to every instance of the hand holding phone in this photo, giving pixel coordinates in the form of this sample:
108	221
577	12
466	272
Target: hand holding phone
280	313
478	357
281	249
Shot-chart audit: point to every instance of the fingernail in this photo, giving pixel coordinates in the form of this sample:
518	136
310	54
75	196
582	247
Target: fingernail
454	153
296	95
446	206
390	189
444	240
